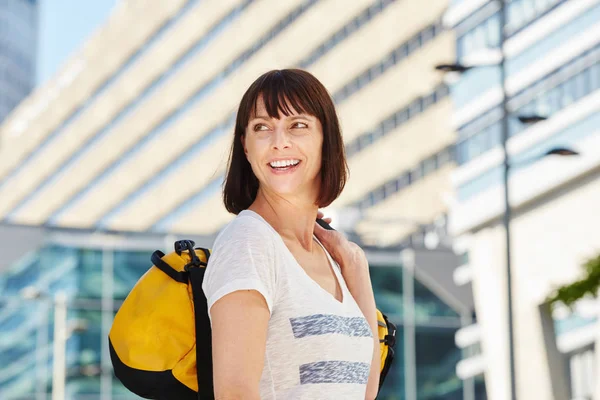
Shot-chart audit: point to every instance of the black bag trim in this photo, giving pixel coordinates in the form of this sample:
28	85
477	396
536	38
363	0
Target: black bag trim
161	385
179	276
390	340
386	367
203	336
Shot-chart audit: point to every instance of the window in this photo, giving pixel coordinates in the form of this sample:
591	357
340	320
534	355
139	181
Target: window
545	97
430	165
582	373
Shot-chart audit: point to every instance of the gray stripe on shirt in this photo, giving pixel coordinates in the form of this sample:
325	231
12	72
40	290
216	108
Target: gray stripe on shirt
334	372
322	324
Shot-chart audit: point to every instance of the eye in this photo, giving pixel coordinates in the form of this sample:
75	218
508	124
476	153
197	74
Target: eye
260	127
300	125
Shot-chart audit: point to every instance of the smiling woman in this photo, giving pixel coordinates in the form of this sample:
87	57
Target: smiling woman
301	293
288	108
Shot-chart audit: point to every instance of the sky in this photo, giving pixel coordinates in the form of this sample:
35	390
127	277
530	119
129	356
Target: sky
64	25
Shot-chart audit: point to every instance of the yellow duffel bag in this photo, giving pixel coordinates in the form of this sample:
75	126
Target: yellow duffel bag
160	340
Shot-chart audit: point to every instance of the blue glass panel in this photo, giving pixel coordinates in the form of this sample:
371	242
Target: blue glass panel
387	284
566	137
554	39
428	305
473	84
571	323
437	356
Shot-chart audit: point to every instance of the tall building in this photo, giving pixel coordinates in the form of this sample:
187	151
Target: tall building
18	46
130	141
552	55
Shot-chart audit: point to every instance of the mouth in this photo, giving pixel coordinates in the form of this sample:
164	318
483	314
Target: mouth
284	166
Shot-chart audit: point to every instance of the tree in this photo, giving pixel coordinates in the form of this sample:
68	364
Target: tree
588	285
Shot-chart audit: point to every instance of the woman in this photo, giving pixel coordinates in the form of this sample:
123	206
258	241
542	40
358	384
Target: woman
291	304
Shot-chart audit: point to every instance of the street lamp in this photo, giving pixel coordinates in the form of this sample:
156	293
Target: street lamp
561	151
531	119
458	68
63	330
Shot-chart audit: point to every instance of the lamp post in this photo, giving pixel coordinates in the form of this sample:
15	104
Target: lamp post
63	329
525	119
60	342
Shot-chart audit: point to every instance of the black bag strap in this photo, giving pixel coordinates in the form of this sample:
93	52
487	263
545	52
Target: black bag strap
179	276
195	270
203	336
194	275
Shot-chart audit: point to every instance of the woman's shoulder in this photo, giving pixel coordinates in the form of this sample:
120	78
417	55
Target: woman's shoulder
247	226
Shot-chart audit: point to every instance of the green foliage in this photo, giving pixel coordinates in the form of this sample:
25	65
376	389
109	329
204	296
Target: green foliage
587	286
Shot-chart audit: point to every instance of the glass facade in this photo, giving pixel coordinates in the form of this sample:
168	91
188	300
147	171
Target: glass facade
546	96
18	38
27	327
426	354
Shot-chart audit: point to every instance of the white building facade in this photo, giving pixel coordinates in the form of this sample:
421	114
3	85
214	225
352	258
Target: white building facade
553	71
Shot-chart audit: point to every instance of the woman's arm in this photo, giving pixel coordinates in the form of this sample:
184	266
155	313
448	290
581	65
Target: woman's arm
355	270
239	335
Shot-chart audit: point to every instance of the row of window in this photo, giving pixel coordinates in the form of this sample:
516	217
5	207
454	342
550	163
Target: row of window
19	9
367	15
22	61
559	37
416	42
545	97
6	105
479	80
17	83
406	178
400	117
126	110
521	13
569	136
21	34
486	34
154	38
348	29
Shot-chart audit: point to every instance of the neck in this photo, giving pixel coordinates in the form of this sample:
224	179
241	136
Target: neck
293	218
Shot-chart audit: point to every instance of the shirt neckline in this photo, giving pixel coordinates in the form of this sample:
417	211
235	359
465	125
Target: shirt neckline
330	260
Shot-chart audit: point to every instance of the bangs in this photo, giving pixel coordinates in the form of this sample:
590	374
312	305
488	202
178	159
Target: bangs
284	94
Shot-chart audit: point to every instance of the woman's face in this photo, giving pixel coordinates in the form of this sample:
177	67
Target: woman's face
285	153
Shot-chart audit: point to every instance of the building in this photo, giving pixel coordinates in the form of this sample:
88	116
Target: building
133	149
553	71
18	46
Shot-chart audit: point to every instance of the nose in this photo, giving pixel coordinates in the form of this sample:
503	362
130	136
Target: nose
281	139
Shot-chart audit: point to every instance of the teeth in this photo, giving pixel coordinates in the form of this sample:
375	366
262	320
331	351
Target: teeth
283	163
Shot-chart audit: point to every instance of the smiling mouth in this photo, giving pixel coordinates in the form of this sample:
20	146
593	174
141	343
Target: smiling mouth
284	168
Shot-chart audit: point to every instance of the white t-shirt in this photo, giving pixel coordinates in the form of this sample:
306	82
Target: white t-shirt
317	347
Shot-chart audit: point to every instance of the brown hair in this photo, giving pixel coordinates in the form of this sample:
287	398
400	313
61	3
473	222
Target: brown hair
282	90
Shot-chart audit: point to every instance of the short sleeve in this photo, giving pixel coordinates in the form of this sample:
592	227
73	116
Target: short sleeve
242	258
